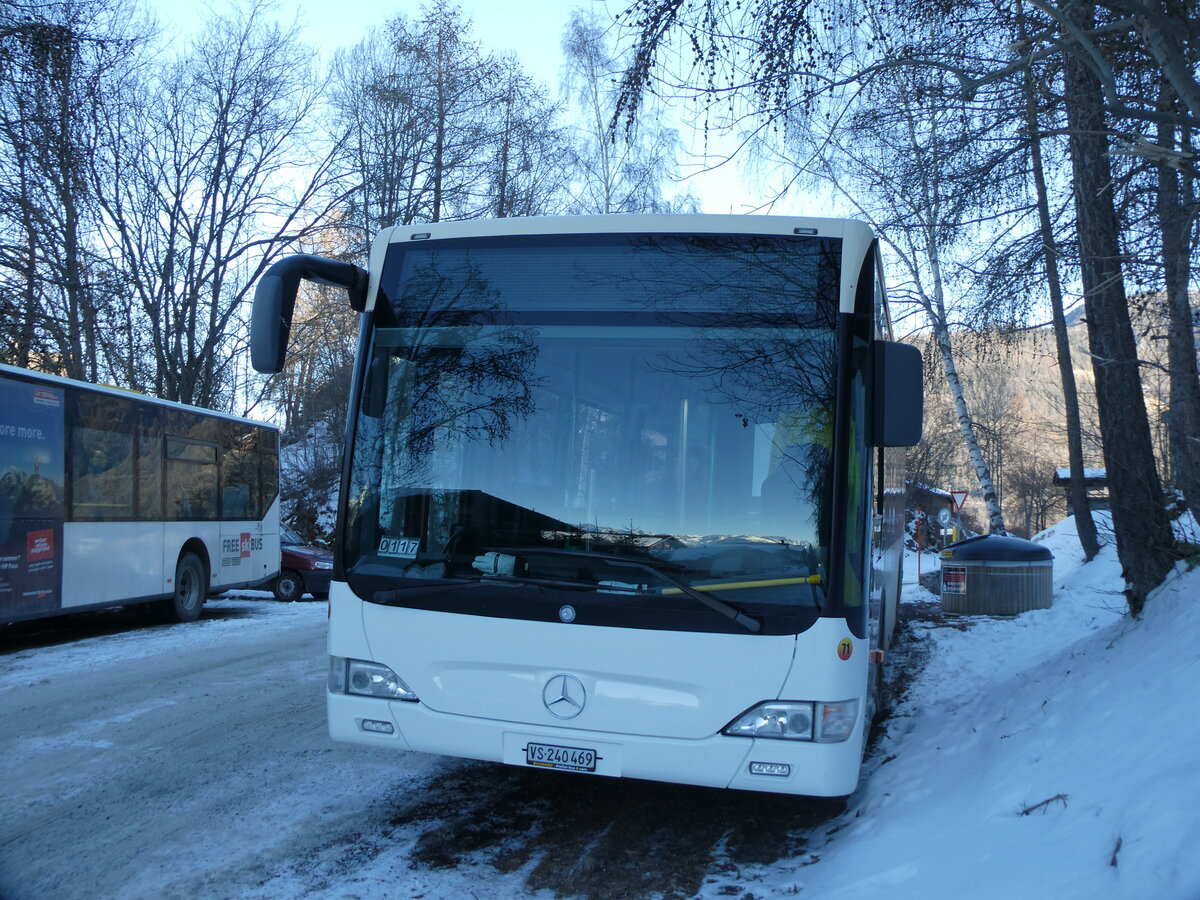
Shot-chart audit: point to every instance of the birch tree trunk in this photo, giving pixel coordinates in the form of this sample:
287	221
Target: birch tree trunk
983	472
931	213
894	153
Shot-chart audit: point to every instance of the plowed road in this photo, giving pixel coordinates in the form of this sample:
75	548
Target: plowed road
193	761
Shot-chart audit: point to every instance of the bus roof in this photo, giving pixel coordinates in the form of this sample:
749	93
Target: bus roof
59	380
678	223
857	235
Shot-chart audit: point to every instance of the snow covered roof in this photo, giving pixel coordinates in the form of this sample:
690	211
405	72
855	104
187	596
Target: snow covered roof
918	486
1063	474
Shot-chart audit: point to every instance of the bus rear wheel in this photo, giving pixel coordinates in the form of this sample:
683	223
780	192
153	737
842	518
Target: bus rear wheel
190	589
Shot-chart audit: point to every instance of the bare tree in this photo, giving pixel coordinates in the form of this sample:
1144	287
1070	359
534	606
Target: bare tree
1034	252
791	62
58	62
939	460
1049	251
529	166
615	172
1036	502
454	96
217	172
385	141
1018	407
1168	31
903	158
435	128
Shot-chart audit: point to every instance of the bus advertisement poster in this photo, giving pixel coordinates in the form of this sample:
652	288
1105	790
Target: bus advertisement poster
31	497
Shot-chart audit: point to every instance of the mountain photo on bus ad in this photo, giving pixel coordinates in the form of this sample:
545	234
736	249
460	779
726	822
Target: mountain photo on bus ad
31	497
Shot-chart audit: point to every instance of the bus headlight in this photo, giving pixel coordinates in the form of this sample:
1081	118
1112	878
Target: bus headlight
366	679
778	719
796	720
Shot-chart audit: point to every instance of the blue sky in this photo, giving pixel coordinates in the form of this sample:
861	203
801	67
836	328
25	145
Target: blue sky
532	29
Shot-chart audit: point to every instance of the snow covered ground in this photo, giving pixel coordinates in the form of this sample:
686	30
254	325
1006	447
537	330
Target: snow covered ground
1055	754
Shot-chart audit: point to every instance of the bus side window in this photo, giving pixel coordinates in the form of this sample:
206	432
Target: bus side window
102	463
150	463
239	473
268	451
235	501
191	479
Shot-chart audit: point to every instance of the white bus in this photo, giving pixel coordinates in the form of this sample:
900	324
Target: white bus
111	498
619	495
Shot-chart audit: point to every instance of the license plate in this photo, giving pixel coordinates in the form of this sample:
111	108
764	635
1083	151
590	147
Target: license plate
552	756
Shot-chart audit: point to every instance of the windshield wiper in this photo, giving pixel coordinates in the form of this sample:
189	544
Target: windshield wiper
506	568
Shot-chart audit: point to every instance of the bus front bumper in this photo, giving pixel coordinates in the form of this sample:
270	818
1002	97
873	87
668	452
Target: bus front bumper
755	764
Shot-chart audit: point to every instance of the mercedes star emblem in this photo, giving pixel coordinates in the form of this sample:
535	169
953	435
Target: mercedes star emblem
564	696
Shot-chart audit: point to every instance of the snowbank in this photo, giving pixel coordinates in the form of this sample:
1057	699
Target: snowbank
1053	754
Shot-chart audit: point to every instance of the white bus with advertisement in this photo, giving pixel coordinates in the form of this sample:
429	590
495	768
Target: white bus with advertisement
112	498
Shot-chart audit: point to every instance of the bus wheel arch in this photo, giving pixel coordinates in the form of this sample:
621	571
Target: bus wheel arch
191	587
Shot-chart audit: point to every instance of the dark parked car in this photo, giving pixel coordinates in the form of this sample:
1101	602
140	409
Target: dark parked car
303	568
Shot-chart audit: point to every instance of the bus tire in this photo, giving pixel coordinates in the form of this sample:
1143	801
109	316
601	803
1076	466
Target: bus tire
190	590
287	586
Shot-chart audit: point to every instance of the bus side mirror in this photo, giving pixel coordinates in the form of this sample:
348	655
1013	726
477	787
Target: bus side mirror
899	394
275	301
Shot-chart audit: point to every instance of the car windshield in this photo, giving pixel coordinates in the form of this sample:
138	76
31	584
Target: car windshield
611	399
287	536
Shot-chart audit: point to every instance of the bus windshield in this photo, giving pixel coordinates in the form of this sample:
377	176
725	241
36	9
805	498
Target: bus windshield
630	419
